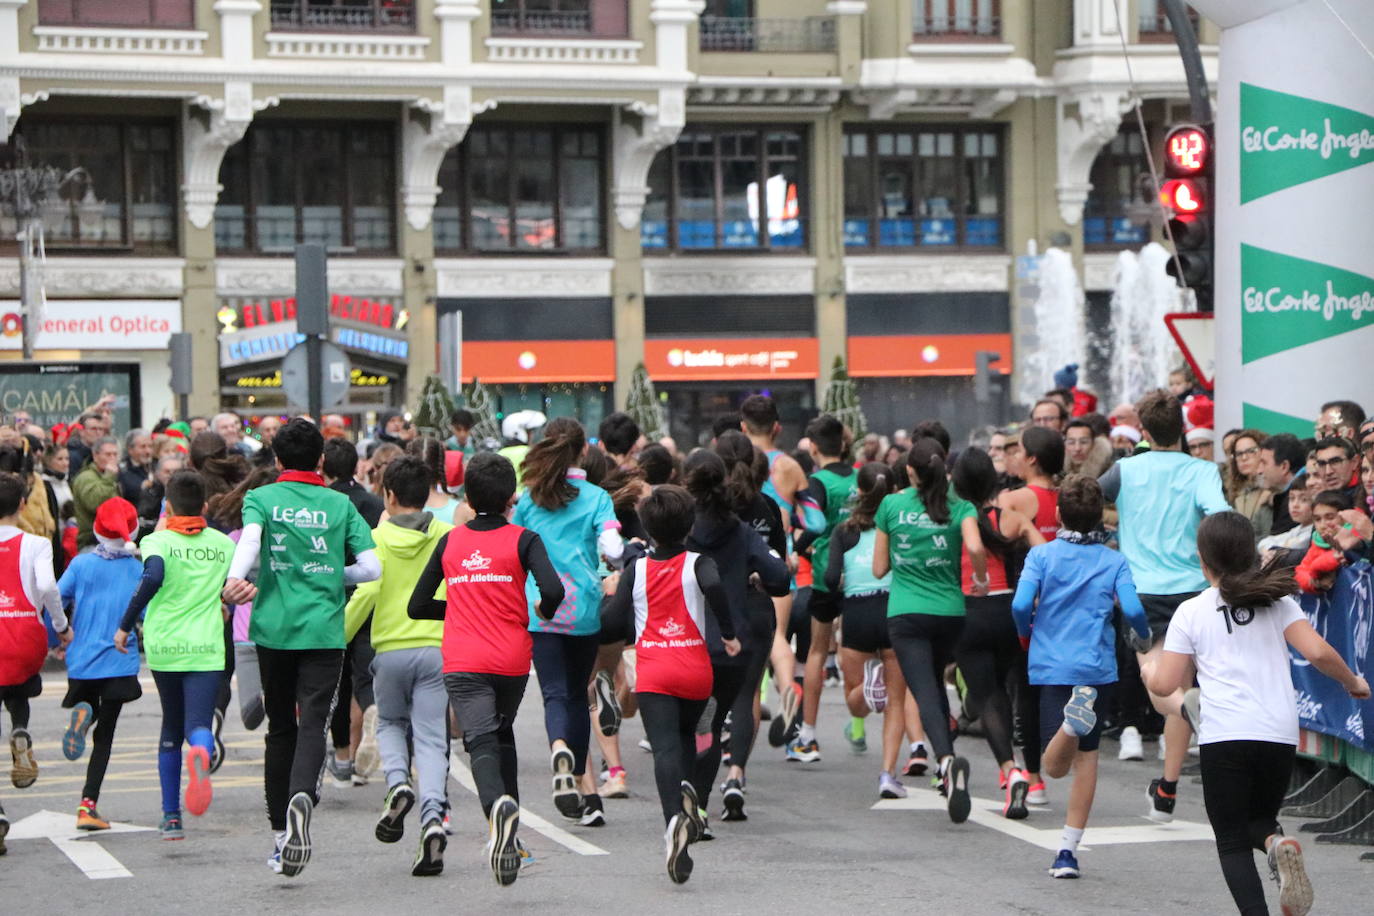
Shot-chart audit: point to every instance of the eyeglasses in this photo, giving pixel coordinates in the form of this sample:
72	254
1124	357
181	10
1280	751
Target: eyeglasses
1247	452
1195	447
1324	463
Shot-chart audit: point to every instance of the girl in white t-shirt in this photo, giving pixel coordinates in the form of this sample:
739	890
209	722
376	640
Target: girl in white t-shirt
1233	638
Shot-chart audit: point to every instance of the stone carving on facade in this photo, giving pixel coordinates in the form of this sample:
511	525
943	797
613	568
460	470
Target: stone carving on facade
117	278
915	274
717	276
255	277
640	133
1087	120
431	130
209	127
521	279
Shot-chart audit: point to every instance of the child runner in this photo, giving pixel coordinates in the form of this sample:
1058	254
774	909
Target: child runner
96	587
184	568
1064	609
664	597
407	669
300	531
921	533
1234	639
487	647
576	521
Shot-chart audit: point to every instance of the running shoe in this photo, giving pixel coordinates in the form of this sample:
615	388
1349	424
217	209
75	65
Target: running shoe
1192	708
526	854
170	828
691	809
74	739
780	730
732	797
295	848
706	834
857	745
1161	803
889	787
875	687
429	861
358	778
502	852
199	792
810	752
391	826
832	676
676	839
1079	715
87	818
274	860
1065	865
1014	807
645	746
24	772
918	762
1285	867
252	712
341	771
608	714
217	753
614	786
593	812
1131	747
4	830
565	796
956	789
1036	794
367	759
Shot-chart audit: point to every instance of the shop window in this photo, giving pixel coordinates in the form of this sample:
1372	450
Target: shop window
116	184
963	20
324	182
586	402
731	189
1119	204
1154	23
344	15
926	187
143	14
518	188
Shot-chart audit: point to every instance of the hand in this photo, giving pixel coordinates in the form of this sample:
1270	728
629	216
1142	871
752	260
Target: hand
1359	522
64	639
732	647
238	591
1359	689
121	641
979	589
1347	538
610	584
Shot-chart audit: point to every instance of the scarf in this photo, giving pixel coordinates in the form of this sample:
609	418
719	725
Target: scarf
1077	537
306	477
189	525
113	548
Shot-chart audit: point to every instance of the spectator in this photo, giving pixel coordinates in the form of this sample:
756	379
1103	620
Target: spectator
902	439
1050	413
150	498
461	422
931	429
1228	444
1339	419
340	462
390	425
1202	444
1282	464
382	454
997	450
56	463
1291	545
1245	488
1183	384
1317	571
1084	452
92	427
1124	415
1334	467
94	484
229	427
267	430
197	426
137	466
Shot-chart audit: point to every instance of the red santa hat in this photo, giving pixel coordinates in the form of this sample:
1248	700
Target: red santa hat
117	520
1198	411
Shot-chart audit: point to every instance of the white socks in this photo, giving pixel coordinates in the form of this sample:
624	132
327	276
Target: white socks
806	734
1070	838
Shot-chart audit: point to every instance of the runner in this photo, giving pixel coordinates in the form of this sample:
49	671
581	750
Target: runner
664	598
921	531
1068	590
1037	459
487	647
300	530
577	522
184	569
1234	638
96	589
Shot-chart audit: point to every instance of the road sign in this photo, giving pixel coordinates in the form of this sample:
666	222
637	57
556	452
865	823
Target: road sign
1195	334
95	863
335	369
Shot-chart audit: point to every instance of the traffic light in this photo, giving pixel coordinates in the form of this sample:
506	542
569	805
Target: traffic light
1187	197
984	374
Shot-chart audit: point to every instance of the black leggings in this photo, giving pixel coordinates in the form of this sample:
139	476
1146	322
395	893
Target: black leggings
102	739
226	691
925	644
758	647
988	653
670	723
727	685
799	624
17	705
1243	785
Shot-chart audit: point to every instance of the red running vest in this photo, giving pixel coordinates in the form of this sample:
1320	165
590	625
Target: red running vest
670	616
23	638
1045	519
486	627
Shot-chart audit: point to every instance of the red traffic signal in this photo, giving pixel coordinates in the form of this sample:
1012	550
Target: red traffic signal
1183	196
1187	150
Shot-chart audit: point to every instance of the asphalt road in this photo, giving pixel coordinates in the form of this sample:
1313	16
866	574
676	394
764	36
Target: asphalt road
817	840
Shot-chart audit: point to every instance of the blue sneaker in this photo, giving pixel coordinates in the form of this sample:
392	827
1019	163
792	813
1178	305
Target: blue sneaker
1078	712
1065	865
170	828
808	752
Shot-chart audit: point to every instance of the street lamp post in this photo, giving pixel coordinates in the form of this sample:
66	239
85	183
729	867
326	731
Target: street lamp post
26	188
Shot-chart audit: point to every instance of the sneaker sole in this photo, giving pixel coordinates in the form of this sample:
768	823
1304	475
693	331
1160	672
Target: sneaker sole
1015	808
1159	817
366	759
679	861
74	740
889	794
217	756
733	800
1078	712
565	795
24	773
505	857
295	851
173	837
391	827
1064	873
959	802
92	828
780	729
608	713
199	792
874	689
431	860
1295	888
691	810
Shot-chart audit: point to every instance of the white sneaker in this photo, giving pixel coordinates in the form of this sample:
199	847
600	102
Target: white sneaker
1131	748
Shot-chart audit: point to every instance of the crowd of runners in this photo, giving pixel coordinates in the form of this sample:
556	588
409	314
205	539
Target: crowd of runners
1063	579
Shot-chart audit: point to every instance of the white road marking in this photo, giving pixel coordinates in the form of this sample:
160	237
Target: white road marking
463	776
78	846
988	813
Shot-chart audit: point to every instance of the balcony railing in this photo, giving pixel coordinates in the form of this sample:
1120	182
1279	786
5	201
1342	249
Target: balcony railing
141	14
533	22
813	33
956	20
313	15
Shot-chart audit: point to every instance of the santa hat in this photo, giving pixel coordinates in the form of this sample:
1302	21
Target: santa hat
453	469
1201	434
116	521
1126	432
1198	410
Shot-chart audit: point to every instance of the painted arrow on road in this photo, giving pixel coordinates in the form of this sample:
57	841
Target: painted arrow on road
77	845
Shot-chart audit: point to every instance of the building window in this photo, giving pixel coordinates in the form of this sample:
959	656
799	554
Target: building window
515	188
958	19
730	25
923	187
704	193
309	182
166	14
118	185
344	15
572	17
1154	22
1119	204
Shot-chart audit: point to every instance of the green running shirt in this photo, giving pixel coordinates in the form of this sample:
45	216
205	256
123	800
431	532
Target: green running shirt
183	627
925	555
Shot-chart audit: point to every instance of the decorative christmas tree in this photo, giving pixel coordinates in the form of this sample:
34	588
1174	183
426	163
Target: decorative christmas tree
643	405
478	399
436	406
842	401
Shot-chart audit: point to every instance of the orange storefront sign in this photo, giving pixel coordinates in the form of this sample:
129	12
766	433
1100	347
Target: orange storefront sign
516	361
732	358
925	354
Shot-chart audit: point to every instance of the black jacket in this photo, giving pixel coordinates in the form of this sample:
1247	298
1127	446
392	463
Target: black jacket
738	551
369	506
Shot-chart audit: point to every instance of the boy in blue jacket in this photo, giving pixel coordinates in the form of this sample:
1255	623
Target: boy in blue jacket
1063	608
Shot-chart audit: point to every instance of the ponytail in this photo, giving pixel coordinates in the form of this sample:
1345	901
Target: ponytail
545	471
1226	544
875	483
737	453
431	451
704	476
927	463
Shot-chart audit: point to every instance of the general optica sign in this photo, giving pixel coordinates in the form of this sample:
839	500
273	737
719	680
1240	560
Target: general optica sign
89	324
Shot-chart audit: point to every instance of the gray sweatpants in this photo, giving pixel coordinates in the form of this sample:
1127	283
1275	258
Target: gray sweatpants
411	699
